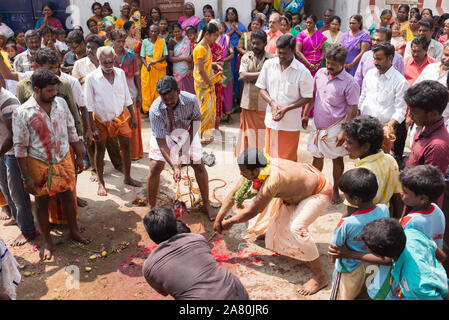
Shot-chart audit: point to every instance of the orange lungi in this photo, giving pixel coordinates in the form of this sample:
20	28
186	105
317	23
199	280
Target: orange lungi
3	202
252	131
282	144
136	137
54	179
119	126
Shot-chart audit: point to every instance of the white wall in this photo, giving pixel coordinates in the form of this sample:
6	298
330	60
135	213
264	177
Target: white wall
81	11
243	7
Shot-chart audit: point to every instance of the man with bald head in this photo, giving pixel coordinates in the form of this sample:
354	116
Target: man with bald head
273	33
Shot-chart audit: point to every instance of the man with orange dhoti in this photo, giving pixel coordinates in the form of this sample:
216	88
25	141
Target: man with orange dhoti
111	113
154	55
43	131
286	85
126	60
289	196
252	126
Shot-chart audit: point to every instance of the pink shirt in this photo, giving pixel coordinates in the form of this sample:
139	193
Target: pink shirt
333	97
271	41
412	70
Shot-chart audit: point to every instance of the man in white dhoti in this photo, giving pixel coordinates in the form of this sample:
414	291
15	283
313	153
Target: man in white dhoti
289	196
175	119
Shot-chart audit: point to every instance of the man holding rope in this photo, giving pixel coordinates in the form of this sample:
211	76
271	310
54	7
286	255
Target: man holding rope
175	119
289	196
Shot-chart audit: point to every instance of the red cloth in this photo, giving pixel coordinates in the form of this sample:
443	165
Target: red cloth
412	70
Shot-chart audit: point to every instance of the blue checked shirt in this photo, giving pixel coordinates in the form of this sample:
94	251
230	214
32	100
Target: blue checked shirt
185	113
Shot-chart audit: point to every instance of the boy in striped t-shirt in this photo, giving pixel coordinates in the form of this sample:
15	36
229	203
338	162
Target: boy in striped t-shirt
360	187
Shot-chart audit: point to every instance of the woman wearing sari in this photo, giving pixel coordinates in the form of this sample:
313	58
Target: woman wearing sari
412	30
228	54
244	44
356	41
180	54
205	80
48	20
218	56
132	41
310	46
98	14
333	35
234	29
189	18
154	66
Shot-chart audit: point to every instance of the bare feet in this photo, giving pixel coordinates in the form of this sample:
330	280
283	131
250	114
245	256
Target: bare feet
101	190
131	182
336	198
313	285
81	203
77	236
93	177
46	252
10	222
4	213
206	208
24	238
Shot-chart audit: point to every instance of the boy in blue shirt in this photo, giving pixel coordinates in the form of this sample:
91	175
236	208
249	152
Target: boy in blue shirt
421	187
416	273
359	187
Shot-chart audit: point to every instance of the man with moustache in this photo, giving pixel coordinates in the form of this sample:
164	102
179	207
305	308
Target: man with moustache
111	113
252	126
382	95
23	62
336	97
43	154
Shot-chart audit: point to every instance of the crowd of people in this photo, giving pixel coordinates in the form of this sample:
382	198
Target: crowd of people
67	98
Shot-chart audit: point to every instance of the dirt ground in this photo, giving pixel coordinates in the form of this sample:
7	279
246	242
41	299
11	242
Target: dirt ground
115	225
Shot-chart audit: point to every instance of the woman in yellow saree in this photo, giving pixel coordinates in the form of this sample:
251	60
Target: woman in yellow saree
205	79
154	66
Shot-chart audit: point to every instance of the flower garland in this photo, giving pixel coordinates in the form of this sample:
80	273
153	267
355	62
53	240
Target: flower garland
250	188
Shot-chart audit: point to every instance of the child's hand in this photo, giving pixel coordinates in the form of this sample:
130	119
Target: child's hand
398	293
337	252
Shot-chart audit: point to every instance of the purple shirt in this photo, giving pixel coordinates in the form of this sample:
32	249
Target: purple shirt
367	63
333	97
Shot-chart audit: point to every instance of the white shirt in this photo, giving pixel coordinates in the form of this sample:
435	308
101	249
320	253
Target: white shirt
82	68
107	100
435	50
285	87
61	46
78	92
432	72
383	95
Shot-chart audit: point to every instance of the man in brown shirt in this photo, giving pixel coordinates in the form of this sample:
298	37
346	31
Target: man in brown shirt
252	125
292	196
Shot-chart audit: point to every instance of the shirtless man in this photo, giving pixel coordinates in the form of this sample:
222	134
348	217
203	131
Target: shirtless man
291	197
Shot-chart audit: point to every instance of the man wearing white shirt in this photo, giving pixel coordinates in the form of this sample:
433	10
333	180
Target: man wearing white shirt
435	48
111	113
382	95
286	85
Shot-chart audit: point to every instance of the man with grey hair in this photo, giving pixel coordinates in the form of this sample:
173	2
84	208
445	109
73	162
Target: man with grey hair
111	113
273	33
24	61
336	97
175	119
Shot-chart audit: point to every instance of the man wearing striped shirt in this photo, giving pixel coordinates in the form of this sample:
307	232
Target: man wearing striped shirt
175	119
363	140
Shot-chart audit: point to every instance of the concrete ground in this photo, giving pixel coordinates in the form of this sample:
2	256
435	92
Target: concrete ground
115	225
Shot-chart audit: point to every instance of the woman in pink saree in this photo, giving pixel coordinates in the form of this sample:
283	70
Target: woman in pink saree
180	54
189	18
310	46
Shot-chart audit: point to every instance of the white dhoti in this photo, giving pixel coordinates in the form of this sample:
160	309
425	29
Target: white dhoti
322	143
178	142
286	226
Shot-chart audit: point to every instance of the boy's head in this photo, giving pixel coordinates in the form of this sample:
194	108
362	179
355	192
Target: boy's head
60	35
11	48
46	34
363	136
359	186
160	224
421	185
427	101
384	238
191	33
